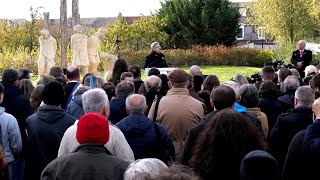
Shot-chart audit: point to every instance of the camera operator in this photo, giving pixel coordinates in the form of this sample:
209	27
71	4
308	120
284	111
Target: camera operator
156	58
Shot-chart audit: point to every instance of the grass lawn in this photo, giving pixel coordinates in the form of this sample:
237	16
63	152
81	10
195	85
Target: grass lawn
224	73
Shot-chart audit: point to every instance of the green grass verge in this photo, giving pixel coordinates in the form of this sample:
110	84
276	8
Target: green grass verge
224	73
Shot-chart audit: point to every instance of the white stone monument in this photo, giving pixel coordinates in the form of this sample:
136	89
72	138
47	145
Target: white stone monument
48	47
93	49
79	49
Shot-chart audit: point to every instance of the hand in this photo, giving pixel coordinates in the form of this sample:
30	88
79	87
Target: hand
316	108
299	64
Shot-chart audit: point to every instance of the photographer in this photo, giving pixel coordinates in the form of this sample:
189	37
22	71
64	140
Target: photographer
156	58
267	75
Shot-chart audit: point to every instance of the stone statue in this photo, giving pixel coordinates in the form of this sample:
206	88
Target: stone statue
79	49
48	47
108	61
93	49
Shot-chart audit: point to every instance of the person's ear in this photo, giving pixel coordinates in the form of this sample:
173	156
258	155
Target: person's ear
106	111
128	112
146	108
295	101
233	105
169	85
1	97
16	83
212	103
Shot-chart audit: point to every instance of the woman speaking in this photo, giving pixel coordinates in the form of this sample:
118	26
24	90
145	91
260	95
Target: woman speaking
156	58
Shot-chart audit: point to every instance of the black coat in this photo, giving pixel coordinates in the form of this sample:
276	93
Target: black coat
306	59
286	127
196	131
117	110
287	100
88	161
272	108
19	106
296	166
156	60
45	131
67	89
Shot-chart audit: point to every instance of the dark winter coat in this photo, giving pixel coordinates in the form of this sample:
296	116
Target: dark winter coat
272	108
19	106
88	161
45	130
141	135
156	60
286	127
75	107
117	110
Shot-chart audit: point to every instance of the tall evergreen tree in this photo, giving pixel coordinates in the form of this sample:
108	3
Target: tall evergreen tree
206	22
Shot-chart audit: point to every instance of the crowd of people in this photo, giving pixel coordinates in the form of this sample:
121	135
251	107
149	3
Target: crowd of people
184	125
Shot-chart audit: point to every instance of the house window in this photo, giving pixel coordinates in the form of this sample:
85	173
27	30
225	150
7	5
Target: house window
241	32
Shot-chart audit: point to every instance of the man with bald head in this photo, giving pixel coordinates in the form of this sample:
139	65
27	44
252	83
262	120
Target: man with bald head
195	70
301	58
153	86
145	138
73	78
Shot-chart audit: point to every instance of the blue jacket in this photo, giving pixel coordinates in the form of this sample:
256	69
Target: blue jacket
140	134
75	107
45	131
117	110
11	137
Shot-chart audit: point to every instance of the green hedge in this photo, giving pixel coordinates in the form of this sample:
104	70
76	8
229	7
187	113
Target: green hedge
208	55
204	56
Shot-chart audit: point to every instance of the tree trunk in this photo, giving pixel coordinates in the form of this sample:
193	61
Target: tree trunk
46	20
75	13
64	33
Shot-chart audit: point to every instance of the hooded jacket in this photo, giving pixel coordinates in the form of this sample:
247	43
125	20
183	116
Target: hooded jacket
75	107
11	137
45	130
141	136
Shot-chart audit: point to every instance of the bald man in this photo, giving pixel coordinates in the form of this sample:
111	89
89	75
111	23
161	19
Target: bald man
301	58
73	77
195	70
153	86
146	139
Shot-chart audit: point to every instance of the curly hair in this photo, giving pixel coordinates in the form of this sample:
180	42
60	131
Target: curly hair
227	138
26	87
35	98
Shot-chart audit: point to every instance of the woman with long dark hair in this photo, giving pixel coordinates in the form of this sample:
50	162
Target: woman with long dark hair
120	66
228	137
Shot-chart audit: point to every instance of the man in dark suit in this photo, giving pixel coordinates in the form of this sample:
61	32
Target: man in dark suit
301	58
73	76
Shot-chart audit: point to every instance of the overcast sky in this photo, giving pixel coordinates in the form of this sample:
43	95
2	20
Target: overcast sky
19	9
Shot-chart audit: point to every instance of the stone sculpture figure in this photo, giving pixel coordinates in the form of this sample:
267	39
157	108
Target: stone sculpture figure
48	47
108	61
93	49
79	49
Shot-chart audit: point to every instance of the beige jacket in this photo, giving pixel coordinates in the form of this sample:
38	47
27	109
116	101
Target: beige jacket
178	112
262	117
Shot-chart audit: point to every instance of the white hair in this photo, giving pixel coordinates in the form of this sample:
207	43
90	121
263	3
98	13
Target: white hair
302	41
153	45
305	95
195	70
310	69
94	100
136	109
152	166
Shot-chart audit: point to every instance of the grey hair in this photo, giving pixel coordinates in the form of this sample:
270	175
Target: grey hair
305	96
295	72
153	45
195	70
152	166
302	41
153	86
136	109
124	89
291	83
240	79
249	96
94	100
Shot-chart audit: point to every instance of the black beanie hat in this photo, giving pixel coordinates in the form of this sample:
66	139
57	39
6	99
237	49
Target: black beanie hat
53	93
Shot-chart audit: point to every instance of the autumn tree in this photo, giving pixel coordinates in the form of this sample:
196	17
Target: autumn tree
285	21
